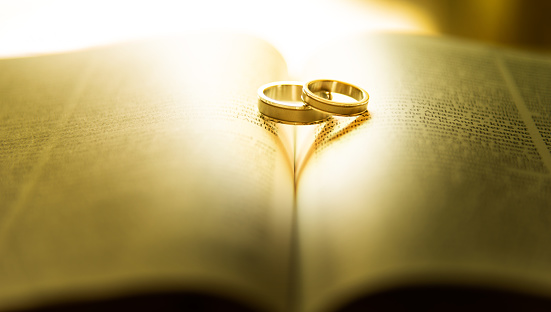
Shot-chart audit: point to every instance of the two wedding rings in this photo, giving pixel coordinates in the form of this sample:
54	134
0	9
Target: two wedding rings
296	103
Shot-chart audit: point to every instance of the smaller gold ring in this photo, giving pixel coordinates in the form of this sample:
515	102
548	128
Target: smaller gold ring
282	102
311	90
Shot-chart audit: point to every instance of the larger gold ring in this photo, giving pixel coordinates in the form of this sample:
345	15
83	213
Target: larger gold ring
312	90
282	101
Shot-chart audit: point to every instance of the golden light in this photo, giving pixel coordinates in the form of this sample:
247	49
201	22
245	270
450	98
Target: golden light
294	27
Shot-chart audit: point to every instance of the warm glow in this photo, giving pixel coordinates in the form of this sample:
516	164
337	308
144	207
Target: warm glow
294	27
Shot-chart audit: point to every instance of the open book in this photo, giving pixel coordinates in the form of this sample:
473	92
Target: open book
143	174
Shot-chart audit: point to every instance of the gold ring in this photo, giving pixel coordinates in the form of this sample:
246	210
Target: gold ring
282	102
312	90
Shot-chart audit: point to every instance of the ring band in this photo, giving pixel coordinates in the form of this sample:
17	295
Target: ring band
311	90
282	101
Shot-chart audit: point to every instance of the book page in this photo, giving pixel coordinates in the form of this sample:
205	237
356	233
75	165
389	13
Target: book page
143	168
446	180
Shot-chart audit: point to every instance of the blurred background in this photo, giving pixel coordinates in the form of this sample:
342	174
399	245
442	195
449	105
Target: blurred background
295	27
